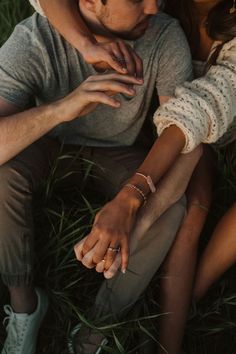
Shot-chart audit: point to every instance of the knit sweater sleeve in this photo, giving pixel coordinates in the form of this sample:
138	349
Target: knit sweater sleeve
36	5
204	108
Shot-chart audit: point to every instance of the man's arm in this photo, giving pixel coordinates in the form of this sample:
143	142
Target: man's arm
20	129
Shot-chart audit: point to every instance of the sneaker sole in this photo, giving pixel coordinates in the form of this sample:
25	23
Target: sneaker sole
70	341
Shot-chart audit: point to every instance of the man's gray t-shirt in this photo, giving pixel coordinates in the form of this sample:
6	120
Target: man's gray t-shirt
36	62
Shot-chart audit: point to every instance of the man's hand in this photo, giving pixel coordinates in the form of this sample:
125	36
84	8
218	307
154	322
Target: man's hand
97	89
115	55
110	232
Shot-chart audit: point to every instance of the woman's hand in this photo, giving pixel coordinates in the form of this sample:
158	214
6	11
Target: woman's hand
116	55
110	232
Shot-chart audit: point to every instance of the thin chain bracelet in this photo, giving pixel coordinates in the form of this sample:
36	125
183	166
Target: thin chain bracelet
148	180
137	189
200	206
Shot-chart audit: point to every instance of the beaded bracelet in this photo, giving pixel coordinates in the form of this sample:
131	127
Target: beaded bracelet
137	189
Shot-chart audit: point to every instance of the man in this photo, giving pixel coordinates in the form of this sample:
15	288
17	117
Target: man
36	63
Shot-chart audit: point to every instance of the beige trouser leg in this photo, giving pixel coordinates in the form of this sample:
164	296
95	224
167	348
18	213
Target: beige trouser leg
151	238
124	289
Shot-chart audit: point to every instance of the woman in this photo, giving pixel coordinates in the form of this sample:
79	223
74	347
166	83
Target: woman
204	110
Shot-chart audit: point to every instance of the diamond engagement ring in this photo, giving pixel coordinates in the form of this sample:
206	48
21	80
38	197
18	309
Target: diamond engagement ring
114	249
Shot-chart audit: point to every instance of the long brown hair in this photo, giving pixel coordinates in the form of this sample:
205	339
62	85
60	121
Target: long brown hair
220	23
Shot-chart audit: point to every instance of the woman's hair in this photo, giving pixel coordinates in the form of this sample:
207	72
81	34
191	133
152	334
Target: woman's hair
220	23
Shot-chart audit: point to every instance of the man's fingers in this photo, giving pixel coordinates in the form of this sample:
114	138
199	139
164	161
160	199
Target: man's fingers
100	97
89	243
111	272
87	260
128	79
100	251
100	266
110	85
78	249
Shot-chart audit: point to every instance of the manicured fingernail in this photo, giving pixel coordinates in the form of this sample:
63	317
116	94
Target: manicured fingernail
123	271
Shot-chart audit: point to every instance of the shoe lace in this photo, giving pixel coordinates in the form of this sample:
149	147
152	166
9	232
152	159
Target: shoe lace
15	328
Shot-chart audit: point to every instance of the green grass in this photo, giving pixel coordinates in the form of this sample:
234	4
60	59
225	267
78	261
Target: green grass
63	221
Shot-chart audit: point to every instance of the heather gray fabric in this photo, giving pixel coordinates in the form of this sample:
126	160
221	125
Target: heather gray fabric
36	61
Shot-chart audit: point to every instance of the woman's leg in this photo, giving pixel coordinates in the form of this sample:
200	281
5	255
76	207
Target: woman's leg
179	267
219	255
177	283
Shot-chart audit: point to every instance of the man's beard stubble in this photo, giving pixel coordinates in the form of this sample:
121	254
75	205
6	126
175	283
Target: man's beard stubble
133	34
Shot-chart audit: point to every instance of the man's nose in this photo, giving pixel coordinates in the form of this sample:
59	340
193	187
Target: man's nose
151	7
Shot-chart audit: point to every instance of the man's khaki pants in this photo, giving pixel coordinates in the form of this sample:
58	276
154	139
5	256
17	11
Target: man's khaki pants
21	177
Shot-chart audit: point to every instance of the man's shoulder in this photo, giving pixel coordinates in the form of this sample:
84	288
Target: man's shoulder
161	27
34	28
161	22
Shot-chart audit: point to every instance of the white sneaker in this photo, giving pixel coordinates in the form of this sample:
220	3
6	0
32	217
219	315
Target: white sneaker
22	329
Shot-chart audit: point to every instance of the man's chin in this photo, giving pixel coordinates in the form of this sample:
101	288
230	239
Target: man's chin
132	35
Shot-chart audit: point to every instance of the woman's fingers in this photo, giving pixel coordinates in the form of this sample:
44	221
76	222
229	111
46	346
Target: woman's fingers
112	252
124	255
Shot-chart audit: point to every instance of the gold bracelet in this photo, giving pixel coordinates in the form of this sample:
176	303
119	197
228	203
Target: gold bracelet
203	207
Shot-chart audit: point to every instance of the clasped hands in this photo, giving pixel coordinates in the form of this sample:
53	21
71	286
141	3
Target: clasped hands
106	248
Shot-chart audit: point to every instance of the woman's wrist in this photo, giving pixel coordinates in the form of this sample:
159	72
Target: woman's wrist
130	197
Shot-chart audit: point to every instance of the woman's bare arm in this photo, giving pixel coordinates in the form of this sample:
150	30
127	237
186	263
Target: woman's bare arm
65	16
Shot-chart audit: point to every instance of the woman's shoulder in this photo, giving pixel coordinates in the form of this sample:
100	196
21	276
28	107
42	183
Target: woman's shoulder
228	51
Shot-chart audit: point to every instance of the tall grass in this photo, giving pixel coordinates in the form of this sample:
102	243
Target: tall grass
61	220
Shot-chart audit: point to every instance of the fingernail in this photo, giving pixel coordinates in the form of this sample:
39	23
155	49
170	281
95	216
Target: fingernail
131	91
124	70
139	79
123	271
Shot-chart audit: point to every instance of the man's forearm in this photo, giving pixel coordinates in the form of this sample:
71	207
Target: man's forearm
17	131
22	129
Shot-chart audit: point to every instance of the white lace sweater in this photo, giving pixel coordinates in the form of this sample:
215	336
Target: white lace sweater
205	109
